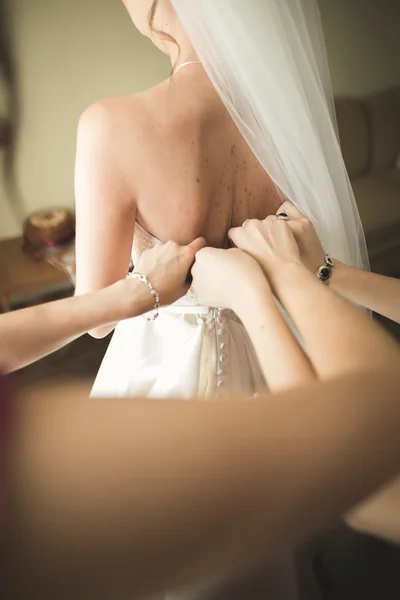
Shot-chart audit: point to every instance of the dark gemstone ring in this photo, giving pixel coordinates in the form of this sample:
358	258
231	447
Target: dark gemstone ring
324	273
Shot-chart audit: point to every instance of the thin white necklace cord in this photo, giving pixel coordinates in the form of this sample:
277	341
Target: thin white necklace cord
185	64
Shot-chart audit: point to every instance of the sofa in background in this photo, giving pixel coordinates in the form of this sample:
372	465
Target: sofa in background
369	131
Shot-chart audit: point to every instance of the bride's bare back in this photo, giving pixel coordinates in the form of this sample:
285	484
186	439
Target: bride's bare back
194	173
170	158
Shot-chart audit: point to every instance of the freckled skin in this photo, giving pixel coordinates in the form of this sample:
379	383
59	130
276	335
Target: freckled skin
169	158
187	167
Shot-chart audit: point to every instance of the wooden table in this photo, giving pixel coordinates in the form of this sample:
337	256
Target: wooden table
20	274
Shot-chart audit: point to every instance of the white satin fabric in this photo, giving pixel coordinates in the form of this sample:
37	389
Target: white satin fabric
189	351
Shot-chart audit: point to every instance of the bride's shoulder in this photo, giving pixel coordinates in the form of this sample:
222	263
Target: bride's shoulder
113	130
118	114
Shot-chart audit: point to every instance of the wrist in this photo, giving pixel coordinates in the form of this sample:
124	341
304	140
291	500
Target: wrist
252	294
339	275
284	271
130	298
289	275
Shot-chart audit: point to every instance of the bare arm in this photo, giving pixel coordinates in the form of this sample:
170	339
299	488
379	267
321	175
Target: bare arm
105	212
284	364
232	279
338	336
379	515
237	478
376	292
31	333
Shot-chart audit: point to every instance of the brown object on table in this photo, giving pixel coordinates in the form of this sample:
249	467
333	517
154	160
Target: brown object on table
48	228
20	274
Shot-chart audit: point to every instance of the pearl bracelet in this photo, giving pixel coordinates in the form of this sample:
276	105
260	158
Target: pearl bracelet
153	292
324	272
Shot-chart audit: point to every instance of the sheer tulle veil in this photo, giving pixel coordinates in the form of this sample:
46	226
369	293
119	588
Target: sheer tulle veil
268	62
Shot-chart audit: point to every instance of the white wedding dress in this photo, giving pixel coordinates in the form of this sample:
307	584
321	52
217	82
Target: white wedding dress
192	350
189	351
267	61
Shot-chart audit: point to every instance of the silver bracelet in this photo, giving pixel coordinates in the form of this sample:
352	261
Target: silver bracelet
153	292
324	272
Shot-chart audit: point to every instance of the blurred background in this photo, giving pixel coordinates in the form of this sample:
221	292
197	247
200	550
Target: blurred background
67	56
70	54
60	57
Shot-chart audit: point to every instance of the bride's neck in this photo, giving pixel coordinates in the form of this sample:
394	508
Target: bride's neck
181	52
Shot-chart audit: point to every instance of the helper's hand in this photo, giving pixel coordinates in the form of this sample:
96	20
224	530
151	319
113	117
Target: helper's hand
221	278
271	242
311	252
167	266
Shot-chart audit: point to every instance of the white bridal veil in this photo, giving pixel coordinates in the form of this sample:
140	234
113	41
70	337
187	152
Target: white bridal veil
267	60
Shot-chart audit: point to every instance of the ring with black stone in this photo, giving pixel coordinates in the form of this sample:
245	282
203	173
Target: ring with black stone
324	273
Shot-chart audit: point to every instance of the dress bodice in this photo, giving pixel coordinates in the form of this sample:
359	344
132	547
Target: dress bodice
144	240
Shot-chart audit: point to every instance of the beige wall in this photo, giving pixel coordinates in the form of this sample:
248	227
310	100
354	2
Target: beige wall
363	42
72	53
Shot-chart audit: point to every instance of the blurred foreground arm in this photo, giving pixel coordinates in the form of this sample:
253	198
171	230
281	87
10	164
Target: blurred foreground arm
119	498
339	337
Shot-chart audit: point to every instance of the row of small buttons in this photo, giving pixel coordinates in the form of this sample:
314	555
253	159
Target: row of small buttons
222	351
217	319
